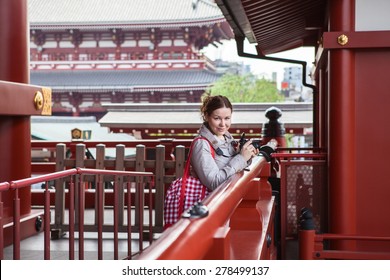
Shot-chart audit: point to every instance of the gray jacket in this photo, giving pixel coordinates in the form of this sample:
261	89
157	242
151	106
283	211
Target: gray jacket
214	171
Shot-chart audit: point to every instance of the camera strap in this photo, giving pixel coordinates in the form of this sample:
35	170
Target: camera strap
220	152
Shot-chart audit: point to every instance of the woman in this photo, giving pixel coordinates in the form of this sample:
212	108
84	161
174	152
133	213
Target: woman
214	158
213	169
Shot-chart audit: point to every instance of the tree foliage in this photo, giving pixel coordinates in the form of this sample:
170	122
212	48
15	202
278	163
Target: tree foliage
245	89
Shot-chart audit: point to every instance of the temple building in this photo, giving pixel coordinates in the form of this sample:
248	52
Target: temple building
141	51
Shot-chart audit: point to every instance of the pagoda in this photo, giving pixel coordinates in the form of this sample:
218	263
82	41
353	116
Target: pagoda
95	52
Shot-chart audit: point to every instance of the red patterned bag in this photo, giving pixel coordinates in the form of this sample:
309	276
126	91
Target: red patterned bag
183	192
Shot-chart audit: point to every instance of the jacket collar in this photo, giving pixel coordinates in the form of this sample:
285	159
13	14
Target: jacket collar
213	139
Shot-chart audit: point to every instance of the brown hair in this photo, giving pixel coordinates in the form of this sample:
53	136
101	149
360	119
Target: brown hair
212	103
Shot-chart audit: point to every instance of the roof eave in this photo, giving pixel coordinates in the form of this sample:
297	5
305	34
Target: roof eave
125	25
236	17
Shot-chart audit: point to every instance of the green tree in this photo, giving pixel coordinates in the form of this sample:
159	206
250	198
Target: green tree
245	89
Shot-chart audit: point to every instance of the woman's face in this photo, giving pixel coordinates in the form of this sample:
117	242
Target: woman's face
219	121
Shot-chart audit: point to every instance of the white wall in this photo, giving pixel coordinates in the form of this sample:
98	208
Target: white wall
372	15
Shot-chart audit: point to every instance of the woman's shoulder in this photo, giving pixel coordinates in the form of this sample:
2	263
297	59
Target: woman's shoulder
202	144
201	141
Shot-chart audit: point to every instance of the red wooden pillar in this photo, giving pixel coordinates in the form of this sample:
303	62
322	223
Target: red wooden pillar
342	125
15	150
18	101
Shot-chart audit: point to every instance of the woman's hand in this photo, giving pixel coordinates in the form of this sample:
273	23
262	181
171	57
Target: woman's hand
248	151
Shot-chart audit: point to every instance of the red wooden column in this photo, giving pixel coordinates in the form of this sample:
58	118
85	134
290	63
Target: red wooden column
17	101
15	154
342	122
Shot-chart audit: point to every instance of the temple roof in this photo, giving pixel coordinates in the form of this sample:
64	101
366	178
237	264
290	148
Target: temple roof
277	25
85	80
134	13
54	128
178	115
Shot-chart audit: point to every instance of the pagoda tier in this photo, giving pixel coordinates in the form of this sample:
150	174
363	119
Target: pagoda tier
114	48
86	90
93	51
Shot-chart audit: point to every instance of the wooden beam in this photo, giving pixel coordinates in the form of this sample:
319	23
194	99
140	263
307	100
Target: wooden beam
31	100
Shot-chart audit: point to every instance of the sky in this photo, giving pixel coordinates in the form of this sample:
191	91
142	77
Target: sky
228	51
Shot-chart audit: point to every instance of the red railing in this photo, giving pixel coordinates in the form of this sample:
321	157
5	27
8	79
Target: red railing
302	183
240	216
241	210
77	209
311	247
157	159
312	244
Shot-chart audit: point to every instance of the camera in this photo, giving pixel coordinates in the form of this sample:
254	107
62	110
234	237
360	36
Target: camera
255	142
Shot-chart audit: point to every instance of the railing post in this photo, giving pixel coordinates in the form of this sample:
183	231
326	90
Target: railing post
80	194
179	160
16	220
306	235
120	165
306	244
159	186
139	197
46	220
99	212
1	229
71	218
274	129
115	218
129	229
59	207
100	155
80	156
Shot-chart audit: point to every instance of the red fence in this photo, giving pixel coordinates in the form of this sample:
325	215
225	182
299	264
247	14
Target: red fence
314	246
138	180
165	161
246	202
302	184
234	212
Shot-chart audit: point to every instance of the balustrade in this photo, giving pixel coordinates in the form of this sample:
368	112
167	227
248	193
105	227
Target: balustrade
73	179
76	209
239	224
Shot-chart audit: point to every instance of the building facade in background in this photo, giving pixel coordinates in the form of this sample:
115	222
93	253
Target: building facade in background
292	87
141	51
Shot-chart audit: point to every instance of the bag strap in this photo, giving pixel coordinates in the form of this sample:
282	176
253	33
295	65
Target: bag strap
186	173
188	164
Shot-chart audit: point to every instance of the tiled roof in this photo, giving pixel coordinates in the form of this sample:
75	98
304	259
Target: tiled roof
127	12
177	118
53	128
122	79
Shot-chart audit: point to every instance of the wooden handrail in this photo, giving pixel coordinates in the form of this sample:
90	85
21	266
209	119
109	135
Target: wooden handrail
192	238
